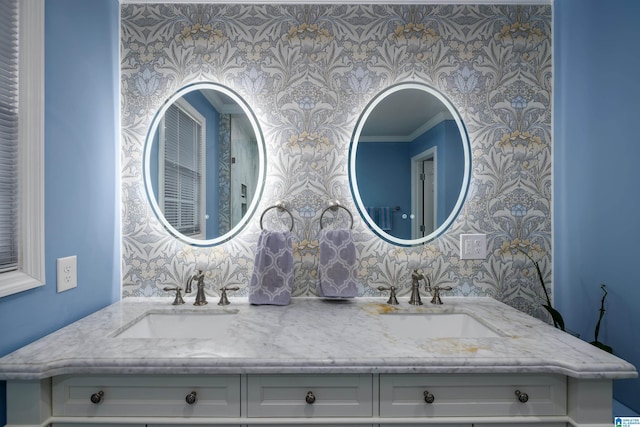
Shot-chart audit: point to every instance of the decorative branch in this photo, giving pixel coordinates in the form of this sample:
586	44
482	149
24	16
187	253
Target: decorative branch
597	331
558	321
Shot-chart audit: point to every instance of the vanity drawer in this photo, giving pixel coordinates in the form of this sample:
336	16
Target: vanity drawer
472	395
139	395
331	395
98	425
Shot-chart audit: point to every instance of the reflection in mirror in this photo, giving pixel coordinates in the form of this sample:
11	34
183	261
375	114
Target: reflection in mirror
204	164
409	164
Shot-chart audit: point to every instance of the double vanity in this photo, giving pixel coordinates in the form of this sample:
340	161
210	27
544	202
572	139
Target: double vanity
290	83
469	362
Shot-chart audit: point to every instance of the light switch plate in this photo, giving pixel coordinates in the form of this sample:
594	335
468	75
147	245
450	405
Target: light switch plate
67	273
473	246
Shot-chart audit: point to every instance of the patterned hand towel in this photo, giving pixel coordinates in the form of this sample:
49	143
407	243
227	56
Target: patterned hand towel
337	267
272	277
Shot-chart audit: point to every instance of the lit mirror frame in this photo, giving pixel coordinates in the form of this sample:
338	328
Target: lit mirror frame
261	164
353	173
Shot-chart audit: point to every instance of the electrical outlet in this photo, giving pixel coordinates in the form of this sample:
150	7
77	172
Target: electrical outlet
473	246
67	273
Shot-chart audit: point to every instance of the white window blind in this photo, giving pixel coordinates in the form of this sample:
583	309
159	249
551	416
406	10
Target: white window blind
8	135
22	137
183	161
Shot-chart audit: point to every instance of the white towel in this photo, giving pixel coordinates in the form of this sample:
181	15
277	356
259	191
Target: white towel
337	266
272	277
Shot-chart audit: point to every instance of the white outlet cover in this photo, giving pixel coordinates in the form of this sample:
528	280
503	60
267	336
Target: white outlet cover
473	246
67	273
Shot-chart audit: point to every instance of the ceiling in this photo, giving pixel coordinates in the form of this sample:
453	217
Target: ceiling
402	116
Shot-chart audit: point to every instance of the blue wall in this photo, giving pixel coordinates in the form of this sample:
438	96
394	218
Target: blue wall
212	117
388	169
198	101
450	170
596	173
385	167
82	192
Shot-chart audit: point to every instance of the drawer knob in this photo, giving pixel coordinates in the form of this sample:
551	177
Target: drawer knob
310	398
428	397
97	397
522	397
191	398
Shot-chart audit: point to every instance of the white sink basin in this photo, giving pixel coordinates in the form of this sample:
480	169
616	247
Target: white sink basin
179	325
442	325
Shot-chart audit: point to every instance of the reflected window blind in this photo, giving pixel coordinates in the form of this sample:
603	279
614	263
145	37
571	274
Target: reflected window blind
183	171
8	135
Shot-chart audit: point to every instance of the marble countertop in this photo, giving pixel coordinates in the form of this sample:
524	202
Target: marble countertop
311	335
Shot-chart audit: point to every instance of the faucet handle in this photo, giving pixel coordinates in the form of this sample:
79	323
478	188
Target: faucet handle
392	294
178	300
223	294
436	294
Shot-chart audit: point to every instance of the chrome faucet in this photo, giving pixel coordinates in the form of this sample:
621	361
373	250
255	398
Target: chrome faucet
201	298
415	288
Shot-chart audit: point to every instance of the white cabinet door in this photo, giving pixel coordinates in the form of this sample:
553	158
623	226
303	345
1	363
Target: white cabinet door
95	425
302	423
428	425
153	396
472	395
191	425
310	395
520	425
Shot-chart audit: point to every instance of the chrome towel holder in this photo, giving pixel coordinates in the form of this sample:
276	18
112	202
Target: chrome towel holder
280	206
334	207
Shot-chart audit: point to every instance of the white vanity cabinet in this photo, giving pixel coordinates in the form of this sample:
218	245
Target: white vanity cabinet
384	400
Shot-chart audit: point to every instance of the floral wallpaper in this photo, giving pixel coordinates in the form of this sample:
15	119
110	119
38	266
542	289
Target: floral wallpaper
307	71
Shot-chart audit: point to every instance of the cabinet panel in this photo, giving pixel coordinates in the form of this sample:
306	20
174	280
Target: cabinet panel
333	395
139	395
472	395
302	423
520	424
428	425
95	425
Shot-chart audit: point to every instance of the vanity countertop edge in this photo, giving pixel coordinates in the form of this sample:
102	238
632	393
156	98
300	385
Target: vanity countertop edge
311	336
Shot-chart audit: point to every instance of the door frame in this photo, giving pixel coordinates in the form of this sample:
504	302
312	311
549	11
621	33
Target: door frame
416	196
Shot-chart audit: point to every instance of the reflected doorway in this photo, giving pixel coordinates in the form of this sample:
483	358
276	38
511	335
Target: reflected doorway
423	182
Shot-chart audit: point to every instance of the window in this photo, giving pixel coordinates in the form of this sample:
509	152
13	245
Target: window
8	136
22	162
182	176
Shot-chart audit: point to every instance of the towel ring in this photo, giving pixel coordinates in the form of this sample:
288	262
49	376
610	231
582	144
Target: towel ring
279	206
334	207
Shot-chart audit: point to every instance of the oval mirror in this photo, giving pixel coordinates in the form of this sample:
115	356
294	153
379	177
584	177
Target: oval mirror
204	164
409	164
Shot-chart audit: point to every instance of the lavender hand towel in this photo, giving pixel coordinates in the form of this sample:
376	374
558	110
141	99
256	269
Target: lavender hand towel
337	266
272	277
